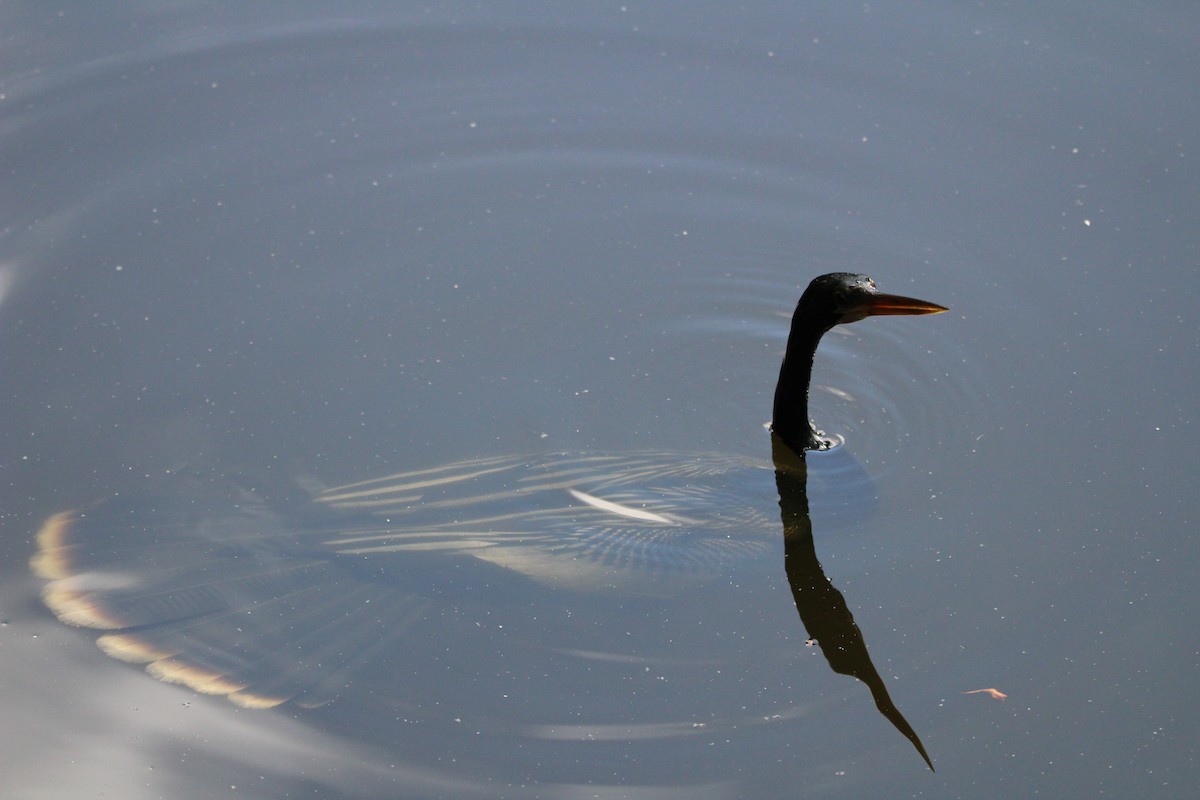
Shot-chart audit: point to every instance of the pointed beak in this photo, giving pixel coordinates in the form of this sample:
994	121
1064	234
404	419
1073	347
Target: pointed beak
889	304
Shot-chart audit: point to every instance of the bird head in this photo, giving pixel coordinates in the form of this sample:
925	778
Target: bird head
841	297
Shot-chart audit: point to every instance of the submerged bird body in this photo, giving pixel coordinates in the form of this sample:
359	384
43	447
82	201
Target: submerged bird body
274	597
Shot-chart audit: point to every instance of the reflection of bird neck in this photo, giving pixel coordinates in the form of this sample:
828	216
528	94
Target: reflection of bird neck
788	460
790	414
822	608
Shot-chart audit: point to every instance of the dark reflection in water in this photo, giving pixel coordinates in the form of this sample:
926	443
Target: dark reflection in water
822	608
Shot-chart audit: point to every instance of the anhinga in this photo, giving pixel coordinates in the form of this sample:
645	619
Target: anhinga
830	300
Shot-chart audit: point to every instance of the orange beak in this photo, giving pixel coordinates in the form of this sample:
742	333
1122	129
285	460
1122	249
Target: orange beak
890	304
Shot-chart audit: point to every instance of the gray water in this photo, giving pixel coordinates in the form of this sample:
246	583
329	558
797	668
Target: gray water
299	244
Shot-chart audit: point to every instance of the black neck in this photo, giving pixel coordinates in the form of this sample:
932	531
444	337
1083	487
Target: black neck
790	415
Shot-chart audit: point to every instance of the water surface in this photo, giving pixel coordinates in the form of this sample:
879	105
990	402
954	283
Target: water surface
286	245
